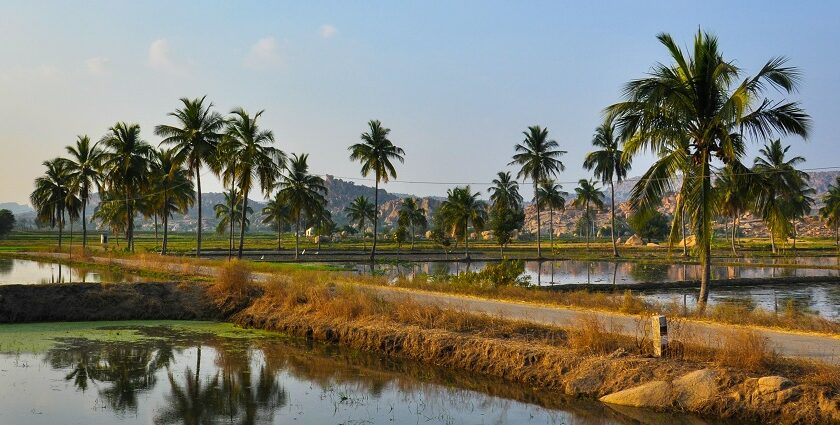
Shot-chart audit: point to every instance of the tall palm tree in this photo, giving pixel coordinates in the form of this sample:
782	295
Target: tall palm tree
256	158
359	212
126	159
539	159
51	195
411	215
173	185
586	197
304	193
376	153
707	99
551	196
461	208
779	189
609	165
734	185
505	191
278	213
195	138
830	212
83	167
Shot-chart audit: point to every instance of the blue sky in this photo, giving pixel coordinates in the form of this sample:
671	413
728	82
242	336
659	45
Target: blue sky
457	82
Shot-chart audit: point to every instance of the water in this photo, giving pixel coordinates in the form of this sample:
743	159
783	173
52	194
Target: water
15	271
817	298
174	374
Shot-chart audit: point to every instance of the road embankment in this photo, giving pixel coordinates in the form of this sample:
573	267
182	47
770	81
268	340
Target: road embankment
101	301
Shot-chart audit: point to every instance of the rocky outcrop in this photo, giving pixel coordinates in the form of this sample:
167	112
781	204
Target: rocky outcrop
690	392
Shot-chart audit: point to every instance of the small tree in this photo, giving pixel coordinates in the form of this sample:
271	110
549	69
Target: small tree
649	224
7	222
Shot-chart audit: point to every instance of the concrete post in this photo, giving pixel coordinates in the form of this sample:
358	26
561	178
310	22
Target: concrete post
659	330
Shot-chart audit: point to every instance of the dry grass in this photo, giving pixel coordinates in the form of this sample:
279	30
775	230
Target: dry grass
234	287
745	349
590	335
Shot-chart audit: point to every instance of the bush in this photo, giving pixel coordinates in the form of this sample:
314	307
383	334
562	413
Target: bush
503	273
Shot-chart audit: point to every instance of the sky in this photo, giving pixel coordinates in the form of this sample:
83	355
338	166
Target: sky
456	81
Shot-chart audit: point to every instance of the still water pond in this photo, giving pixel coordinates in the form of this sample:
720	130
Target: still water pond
205	373
817	298
15	271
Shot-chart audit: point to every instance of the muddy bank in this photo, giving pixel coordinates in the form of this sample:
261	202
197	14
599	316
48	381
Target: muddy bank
101	301
693	284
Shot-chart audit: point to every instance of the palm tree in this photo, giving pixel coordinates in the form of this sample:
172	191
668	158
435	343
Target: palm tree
376	154
734	185
505	191
411	216
278	213
175	188
461	208
830	212
699	97
51	195
360	211
538	158
83	167
304	193
552	197
195	138
126	159
229	213
506	213
256	158
587	196
610	165
779	187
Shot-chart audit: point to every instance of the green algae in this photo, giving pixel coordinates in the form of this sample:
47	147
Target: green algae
41	337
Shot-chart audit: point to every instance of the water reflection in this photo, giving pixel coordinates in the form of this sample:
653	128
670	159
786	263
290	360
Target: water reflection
206	379
16	271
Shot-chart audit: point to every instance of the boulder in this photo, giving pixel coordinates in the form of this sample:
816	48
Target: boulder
634	240
428	234
689	241
691	391
771	384
653	245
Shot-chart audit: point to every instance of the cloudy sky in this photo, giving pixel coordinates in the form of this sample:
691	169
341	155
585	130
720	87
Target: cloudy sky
456	82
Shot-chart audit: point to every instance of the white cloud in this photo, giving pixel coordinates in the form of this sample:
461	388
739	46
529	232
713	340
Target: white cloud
264	53
160	58
327	31
97	65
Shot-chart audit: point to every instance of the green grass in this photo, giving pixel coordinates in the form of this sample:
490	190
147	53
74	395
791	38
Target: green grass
40	337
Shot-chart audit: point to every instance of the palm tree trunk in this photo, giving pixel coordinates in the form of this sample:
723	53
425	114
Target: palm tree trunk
375	217
297	235
537	204
612	218
703	235
794	234
128	222
84	223
412	236
156	229
682	223
772	240
60	227
551	228
198	226
467	239
734	252
242	223
588	225
165	233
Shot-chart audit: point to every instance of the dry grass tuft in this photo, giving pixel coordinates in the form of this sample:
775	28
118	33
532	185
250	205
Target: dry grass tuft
590	335
234	287
745	349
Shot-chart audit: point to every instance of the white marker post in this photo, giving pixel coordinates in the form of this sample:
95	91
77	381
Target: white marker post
659	329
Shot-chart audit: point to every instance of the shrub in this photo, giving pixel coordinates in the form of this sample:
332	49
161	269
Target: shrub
503	273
